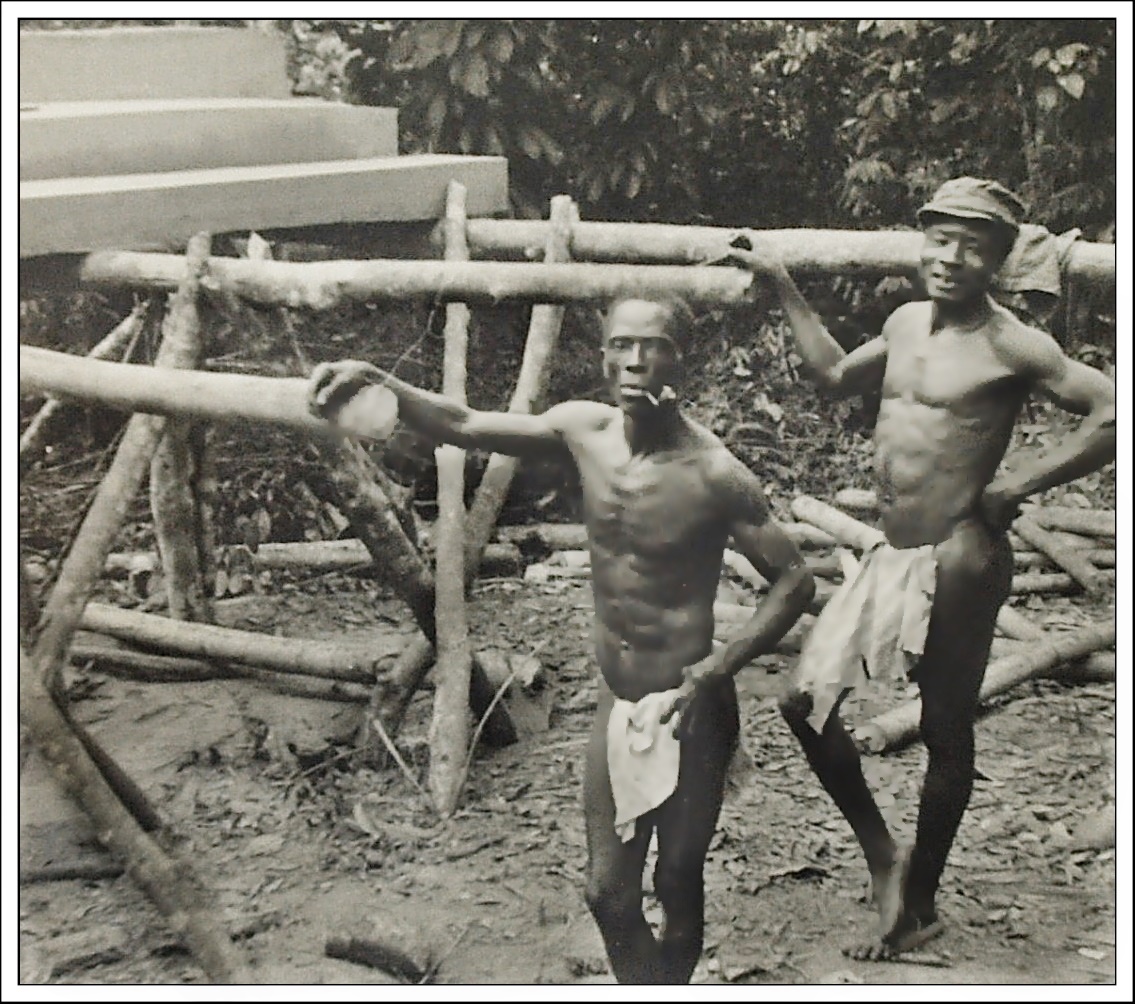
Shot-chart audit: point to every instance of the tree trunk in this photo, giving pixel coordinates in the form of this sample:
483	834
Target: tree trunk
804	251
449	728
1089	522
219	397
306	657
173	470
539	349
47	420
328	284
528	397
1075	563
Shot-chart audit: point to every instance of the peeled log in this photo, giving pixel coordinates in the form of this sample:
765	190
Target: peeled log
307	657
804	251
1058	582
34	439
857	500
169	882
220	397
326	284
1090	522
450	727
844	528
1075	563
900	726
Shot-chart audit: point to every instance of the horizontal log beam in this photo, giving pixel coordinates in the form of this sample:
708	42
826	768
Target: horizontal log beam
321	285
804	251
221	397
306	657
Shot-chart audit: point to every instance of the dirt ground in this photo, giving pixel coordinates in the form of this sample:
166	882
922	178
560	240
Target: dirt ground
301	845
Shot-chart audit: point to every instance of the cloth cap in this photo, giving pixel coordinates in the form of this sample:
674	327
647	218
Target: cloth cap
975	199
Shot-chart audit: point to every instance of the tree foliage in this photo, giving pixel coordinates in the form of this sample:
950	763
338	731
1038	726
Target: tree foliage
759	122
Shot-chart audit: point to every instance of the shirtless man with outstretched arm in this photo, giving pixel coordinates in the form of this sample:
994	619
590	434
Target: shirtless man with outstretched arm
661	497
954	374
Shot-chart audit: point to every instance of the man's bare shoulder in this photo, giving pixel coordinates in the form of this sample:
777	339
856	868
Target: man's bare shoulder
1025	350
913	316
575	418
732	481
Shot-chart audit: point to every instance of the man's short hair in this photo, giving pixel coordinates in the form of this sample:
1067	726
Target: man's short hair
679	323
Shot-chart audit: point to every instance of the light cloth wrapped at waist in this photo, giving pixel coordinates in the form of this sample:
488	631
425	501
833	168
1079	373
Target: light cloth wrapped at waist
643	757
873	627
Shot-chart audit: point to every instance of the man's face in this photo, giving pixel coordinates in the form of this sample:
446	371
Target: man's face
959	259
639	357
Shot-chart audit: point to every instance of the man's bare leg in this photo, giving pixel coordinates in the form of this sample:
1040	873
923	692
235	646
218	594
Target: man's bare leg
686	823
835	761
614	869
974	578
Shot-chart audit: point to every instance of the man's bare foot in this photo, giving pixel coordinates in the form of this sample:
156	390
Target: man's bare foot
907	936
900	928
888	892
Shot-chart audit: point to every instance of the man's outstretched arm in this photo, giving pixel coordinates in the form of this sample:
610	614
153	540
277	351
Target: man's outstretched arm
1077	388
839	372
437	417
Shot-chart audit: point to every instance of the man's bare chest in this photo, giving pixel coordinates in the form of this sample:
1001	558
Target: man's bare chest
958	372
647	504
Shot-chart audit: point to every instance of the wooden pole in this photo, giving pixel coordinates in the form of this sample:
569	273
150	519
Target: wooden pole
322	285
219	397
804	251
1089	522
84	562
899	726
845	529
1076	564
449	728
305	656
173	470
168	881
35	437
531	385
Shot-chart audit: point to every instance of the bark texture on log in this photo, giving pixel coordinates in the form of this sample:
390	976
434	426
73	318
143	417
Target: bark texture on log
323	285
1075	563
806	251
1090	522
150	668
543	334
450	725
169	882
87	556
900	726
528	397
174	468
306	657
1058	582
35	438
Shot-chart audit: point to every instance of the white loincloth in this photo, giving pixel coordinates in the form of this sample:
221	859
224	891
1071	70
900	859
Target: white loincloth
642	757
874	626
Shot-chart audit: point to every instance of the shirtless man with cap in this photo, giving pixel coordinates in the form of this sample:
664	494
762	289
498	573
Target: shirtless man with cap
661	496
954	372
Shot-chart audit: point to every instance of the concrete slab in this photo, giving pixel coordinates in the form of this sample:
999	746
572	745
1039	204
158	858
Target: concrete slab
159	212
111	64
96	138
